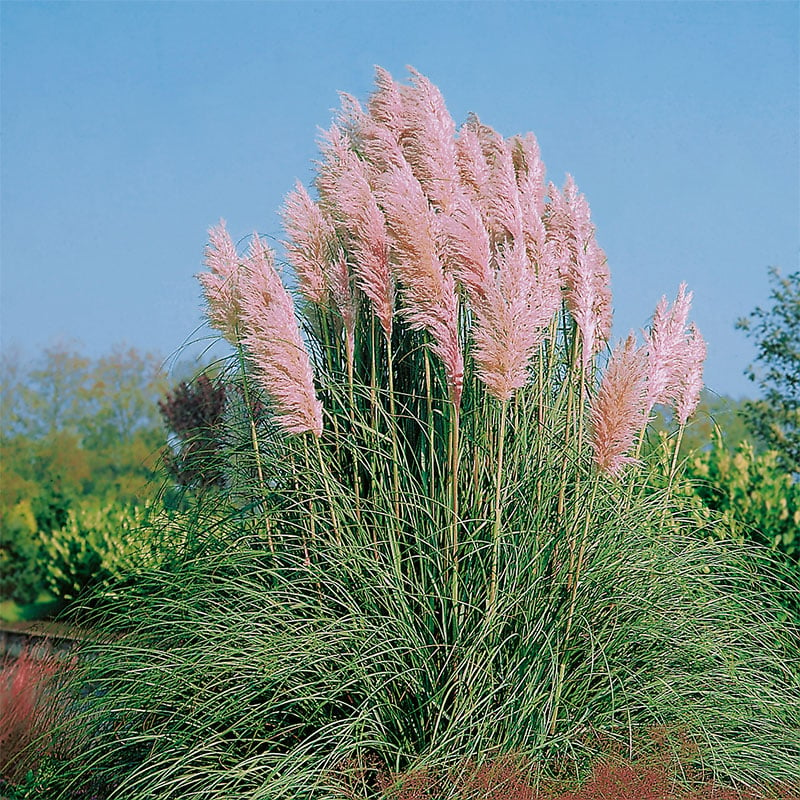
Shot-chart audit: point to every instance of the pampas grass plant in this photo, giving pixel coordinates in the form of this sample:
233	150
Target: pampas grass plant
439	545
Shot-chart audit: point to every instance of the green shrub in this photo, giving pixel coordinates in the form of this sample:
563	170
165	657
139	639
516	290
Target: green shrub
757	498
101	545
738	498
98	545
20	579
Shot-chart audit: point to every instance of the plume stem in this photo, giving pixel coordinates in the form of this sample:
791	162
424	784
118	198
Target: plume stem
352	402
454	464
394	528
373	400
497	508
329	361
570	414
373	374
674	466
313	540
581	421
431	423
325	477
395	450
548	356
256	450
324	474
637	454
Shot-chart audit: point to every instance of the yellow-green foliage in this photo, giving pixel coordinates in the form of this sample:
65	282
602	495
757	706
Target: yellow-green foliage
103	544
19	547
757	498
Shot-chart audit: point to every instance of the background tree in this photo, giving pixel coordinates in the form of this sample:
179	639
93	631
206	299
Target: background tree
123	434
72	426
775	418
45	397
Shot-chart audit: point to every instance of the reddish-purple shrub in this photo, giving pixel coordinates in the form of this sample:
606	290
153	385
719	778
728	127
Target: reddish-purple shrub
30	710
193	413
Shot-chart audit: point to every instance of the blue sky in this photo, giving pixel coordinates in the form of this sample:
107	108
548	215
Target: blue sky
129	128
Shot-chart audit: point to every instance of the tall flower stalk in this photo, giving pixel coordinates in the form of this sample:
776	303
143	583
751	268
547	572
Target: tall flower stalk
272	338
676	352
619	409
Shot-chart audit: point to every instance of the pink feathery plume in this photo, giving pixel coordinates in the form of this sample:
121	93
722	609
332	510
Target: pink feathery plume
530	171
356	209
357	131
486	172
510	319
221	284
583	266
512	298
336	148
380	149
502	201
380	130
487	135
272	338
429	293
341	290
386	103
473	170
512	303
350	117
558	228
509	196
604	314
691	379
666	346
467	249
618	409
309	246
317	255
530	181
428	141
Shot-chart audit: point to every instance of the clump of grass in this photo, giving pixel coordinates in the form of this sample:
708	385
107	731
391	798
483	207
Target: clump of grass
439	547
255	678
